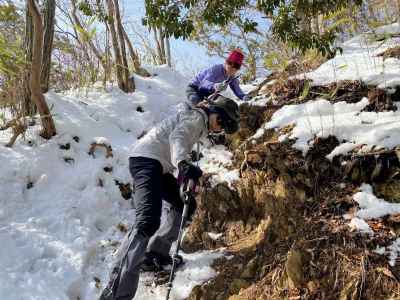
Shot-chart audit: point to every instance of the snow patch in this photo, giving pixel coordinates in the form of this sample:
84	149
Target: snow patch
214	236
360	61
320	118
195	271
217	161
380	250
394	252
341	149
360	225
101	140
372	207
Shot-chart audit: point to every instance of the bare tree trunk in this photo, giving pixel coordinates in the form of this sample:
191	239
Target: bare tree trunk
129	84
387	8
168	51
162	44
315	25
252	66
158	46
353	17
135	58
49	128
28	107
49	14
304	22
321	25
371	11
117	51
108	58
398	11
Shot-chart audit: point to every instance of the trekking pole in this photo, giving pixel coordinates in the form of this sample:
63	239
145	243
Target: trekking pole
186	197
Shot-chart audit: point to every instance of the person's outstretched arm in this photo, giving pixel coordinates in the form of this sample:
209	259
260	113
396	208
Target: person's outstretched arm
234	84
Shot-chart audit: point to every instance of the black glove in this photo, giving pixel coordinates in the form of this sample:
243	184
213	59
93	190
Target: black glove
187	172
217	139
196	156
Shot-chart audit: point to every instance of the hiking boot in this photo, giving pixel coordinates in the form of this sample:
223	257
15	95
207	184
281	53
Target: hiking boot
155	262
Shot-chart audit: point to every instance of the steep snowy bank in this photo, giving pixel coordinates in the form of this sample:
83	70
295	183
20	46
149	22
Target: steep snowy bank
61	212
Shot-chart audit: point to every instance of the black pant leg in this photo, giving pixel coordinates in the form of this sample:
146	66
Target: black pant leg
148	180
124	278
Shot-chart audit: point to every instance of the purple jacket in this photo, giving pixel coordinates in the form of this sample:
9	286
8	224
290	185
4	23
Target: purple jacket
206	79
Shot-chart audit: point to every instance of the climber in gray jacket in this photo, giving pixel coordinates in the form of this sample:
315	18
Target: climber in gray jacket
154	157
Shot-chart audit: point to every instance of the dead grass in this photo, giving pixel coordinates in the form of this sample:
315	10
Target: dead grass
307	251
297	91
12	100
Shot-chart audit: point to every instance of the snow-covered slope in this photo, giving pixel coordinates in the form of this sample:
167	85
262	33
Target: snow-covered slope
347	121
355	129
360	60
59	208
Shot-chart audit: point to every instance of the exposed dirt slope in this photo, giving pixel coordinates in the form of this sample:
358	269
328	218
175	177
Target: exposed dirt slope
283	224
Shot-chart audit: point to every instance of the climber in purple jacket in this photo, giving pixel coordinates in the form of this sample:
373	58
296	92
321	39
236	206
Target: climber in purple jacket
216	79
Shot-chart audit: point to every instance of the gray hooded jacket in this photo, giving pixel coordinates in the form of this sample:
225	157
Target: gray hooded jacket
173	139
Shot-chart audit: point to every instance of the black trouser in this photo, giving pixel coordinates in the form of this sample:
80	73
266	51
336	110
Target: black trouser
151	186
